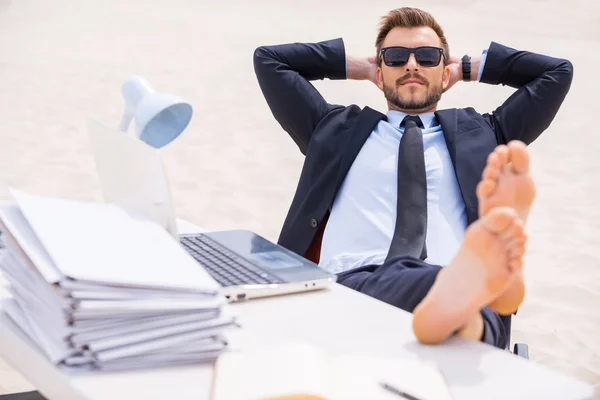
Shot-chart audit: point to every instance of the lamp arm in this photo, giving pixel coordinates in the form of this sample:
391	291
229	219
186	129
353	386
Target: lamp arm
125	121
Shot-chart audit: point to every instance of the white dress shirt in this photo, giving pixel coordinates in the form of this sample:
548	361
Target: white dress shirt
363	217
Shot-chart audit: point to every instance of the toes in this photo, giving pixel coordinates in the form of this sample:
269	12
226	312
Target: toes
485	188
500	219
519	157
502	152
494	160
520	241
515	237
516	249
491	173
516	264
515	232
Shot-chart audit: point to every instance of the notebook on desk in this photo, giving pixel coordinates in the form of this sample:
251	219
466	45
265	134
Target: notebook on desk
300	371
246	265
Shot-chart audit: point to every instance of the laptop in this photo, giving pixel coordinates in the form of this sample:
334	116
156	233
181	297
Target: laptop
246	265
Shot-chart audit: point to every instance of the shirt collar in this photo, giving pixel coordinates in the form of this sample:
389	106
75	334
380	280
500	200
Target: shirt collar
395	118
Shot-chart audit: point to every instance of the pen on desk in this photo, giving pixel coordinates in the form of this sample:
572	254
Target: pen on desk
397	391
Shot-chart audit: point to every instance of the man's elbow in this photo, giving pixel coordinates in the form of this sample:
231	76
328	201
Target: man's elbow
565	67
260	52
265	62
259	57
263	54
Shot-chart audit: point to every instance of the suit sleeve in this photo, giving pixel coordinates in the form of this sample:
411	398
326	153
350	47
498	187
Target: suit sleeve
284	73
542	82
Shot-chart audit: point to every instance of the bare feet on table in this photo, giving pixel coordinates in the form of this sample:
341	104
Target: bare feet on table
488	261
506	182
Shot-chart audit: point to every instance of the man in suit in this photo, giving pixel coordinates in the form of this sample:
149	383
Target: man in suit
386	200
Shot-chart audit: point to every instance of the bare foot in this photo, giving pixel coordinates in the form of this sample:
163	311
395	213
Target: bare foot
506	181
489	259
508	302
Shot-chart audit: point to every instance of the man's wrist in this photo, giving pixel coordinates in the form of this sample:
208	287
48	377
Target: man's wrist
357	68
475	62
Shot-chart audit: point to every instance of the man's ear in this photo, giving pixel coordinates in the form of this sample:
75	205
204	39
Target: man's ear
379	77
446	77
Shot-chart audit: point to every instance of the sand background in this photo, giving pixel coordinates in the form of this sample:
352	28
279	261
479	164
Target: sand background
64	60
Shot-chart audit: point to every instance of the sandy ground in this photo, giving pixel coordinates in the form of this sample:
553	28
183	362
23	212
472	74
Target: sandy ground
64	60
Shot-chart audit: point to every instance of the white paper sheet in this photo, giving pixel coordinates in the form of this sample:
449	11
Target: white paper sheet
26	239
129	326
166	333
109	287
132	294
30	282
100	242
140	364
92	325
148	305
154	345
56	351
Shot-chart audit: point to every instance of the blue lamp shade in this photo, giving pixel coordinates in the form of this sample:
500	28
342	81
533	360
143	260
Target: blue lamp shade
158	117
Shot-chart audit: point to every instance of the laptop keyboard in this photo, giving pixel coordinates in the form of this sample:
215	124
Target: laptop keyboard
224	266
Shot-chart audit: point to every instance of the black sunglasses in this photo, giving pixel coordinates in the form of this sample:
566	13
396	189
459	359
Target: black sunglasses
426	56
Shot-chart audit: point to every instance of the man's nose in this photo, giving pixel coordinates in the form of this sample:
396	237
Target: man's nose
412	64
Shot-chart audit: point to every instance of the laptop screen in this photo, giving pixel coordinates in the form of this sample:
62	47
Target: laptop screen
132	174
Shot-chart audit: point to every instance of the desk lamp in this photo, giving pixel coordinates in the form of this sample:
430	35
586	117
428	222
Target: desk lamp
158	117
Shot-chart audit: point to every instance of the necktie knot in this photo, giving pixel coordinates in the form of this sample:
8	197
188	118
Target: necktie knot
412	118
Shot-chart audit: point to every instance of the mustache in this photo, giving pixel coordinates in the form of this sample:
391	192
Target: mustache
411	75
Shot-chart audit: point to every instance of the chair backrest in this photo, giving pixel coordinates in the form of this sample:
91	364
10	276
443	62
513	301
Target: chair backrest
314	250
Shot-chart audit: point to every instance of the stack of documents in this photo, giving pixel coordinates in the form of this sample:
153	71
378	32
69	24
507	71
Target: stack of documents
97	287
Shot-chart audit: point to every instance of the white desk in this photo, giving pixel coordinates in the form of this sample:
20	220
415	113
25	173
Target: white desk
339	321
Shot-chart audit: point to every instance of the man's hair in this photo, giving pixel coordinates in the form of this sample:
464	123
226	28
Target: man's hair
407	17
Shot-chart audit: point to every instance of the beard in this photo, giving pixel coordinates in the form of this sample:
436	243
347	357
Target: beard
434	94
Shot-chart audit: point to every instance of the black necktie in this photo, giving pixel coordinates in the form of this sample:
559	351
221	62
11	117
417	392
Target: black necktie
411	217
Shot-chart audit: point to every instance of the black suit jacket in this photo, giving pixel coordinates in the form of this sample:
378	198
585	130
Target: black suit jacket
331	136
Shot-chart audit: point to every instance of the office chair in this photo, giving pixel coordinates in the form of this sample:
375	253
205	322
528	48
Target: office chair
519	349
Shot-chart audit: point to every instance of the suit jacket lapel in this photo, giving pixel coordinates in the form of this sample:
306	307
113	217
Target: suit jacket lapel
367	120
460	159
469	146
448	120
